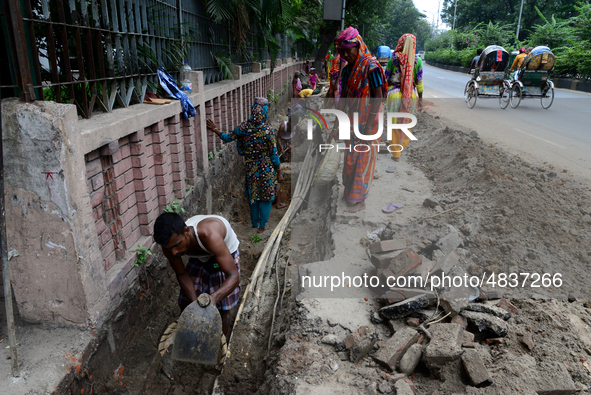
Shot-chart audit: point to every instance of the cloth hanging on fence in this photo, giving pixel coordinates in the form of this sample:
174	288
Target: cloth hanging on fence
169	85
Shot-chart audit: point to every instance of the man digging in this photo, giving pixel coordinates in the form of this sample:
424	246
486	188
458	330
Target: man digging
214	261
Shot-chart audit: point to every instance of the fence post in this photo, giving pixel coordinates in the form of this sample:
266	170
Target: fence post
21	50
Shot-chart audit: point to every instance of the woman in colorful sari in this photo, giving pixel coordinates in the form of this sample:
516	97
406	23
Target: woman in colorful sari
405	74
256	142
362	79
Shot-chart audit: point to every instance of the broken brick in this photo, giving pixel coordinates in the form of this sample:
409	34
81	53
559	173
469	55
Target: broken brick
405	263
426	267
507	306
477	372
444	346
392	350
461	321
387	245
444	265
411	321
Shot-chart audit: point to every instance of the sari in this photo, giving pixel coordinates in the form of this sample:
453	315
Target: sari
357	80
405	73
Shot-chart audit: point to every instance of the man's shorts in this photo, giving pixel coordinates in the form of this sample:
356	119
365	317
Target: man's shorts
208	277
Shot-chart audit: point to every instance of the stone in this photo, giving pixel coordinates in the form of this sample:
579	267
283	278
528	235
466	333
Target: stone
396	325
403	388
586	219
361	348
492	294
455	299
343	355
392	350
430	203
376	318
329	339
387	245
404	308
477	372
450	242
487	322
411	358
445	345
372	389
331	323
467	337
385	388
405	263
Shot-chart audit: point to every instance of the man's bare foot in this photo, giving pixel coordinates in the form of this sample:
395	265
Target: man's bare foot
281	205
357	207
261	230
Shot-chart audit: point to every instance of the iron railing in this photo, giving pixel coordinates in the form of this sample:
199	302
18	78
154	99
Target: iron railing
101	54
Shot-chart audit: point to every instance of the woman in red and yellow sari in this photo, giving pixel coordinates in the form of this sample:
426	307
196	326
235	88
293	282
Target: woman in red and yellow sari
362	79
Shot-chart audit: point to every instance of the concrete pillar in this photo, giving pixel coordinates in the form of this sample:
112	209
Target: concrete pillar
236	71
256	67
58	277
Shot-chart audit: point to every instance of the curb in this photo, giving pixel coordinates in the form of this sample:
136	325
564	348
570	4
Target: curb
562	83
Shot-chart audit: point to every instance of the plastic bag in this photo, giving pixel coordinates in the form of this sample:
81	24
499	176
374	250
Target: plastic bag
328	168
169	85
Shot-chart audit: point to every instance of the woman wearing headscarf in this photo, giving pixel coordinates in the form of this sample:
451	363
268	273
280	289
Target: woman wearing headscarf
405	76
256	142
362	78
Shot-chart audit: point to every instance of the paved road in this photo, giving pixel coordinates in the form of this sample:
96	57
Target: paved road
560	135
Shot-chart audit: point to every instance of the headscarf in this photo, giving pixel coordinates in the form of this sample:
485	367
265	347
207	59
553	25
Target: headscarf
258	115
405	52
357	85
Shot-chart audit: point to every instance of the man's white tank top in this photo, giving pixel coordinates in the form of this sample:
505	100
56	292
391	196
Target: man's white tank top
231	240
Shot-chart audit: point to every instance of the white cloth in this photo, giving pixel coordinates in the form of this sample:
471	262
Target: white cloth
231	240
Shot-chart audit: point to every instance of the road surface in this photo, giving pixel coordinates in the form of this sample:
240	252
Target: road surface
560	135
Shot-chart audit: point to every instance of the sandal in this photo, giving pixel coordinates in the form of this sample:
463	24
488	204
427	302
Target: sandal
391	169
391	207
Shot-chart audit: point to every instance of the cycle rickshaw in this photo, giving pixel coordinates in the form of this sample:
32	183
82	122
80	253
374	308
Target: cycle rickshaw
489	80
533	78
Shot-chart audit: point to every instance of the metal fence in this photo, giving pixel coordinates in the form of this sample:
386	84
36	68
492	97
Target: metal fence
101	54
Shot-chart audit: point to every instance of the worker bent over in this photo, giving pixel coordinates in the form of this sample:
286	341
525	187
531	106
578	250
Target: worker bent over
214	261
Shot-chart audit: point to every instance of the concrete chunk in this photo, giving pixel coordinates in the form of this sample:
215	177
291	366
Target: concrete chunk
403	388
404	308
445	344
450	242
383	260
387	245
392	350
445	264
360	349
554	379
477	372
411	358
487	322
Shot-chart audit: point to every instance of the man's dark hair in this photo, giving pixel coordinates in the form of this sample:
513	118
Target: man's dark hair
478	51
166	225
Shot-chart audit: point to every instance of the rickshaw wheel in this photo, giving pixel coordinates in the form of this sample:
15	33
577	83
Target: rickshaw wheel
470	94
505	95
547	97
515	98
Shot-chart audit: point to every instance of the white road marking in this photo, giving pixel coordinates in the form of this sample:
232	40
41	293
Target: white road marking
539	138
441	78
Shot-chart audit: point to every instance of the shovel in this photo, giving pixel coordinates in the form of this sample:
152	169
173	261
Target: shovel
198	334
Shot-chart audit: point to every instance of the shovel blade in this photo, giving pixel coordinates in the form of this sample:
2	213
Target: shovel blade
198	335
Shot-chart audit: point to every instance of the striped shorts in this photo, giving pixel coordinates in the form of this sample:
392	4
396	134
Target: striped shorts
208	277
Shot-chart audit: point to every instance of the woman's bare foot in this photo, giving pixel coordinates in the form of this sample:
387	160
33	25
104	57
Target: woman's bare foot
357	207
261	230
280	205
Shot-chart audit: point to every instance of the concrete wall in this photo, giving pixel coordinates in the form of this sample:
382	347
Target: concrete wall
83	194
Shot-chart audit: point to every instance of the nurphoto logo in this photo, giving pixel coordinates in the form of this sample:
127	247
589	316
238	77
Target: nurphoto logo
394	120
